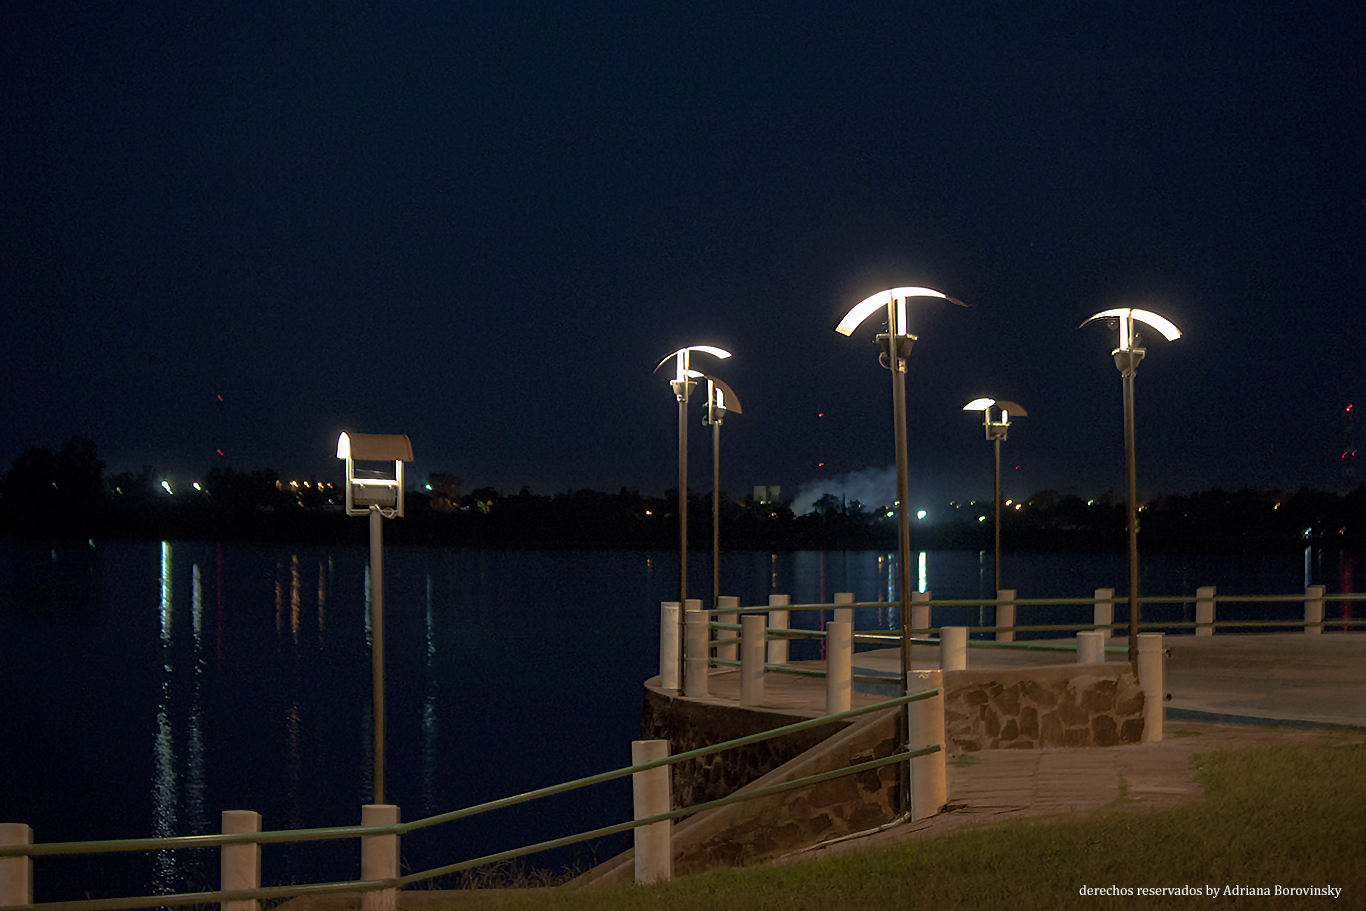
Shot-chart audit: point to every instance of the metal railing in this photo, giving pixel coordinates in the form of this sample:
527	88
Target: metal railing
724	641
24	852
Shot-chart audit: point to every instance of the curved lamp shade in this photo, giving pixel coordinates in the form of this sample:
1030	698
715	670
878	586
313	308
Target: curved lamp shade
1010	408
681	358
870	305
1127	316
725	397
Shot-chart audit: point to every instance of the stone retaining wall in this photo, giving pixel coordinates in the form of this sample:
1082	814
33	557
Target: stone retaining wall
1062	706
689	725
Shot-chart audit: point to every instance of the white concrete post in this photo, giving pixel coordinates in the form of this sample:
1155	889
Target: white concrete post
379	856
920	610
929	774
1150	678
1313	609
752	653
778	619
668	645
240	865
1090	647
1105	610
844	613
953	648
16	873
1005	613
652	795
1204	610
729	652
696	653
839	666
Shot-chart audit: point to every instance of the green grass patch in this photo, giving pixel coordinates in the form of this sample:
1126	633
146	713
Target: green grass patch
1284	815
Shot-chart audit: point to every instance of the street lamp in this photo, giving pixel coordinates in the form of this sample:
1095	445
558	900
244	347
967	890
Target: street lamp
1127	357
996	433
682	383
896	345
378	494
720	400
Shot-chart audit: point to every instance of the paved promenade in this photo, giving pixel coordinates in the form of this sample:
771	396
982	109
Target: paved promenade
1226	692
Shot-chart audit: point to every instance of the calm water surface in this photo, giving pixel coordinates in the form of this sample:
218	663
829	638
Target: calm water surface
152	685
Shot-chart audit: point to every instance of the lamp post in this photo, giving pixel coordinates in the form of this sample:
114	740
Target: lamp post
380	496
684	380
896	345
996	432
720	400
1127	357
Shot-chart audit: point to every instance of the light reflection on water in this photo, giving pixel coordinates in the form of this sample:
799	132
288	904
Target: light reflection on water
506	670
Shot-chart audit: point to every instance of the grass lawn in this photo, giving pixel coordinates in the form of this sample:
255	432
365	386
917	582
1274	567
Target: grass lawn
1289	816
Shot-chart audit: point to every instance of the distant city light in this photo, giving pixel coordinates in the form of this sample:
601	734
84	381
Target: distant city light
921	514
166	486
197	487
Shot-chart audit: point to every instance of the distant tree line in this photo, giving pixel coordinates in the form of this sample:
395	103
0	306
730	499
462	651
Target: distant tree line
64	494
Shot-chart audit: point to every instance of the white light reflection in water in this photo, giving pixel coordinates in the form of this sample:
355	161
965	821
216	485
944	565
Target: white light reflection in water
164	796
195	809
924	576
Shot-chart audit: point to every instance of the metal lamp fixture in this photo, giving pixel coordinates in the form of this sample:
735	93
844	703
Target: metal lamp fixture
996	432
896	342
1127	358
720	400
379	495
685	378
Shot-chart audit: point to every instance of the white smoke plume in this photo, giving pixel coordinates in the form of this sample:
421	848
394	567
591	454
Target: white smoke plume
873	487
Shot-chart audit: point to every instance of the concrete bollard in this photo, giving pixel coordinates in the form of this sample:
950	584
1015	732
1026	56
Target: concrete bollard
953	648
16	873
1105	610
651	793
729	652
668	645
379	856
240	865
752	653
928	774
920	610
697	653
1005	614
839	666
844	613
778	619
1150	678
1313	610
1090	647
1204	610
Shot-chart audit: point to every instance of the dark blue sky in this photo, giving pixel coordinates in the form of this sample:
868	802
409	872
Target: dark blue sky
483	224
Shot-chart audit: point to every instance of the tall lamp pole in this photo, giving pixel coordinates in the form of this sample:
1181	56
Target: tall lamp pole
378	495
682	384
896	346
720	400
996	433
1127	357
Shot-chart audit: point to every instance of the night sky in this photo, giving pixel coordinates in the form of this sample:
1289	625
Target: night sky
484	224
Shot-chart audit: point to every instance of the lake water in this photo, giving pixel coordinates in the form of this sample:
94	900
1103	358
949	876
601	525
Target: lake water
151	685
